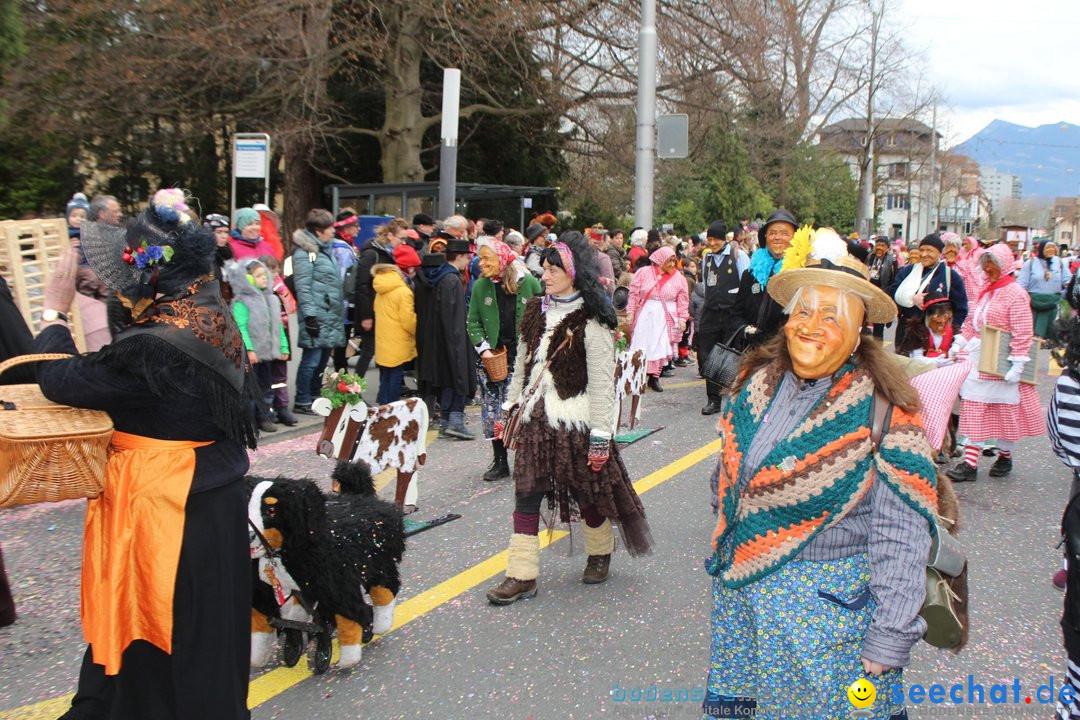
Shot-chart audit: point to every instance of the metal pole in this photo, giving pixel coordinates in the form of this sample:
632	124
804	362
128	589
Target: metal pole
448	153
645	154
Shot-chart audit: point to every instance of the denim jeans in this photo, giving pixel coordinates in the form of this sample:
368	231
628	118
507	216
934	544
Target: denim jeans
390	379
309	374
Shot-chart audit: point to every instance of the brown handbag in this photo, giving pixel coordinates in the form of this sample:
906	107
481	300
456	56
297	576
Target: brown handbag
516	416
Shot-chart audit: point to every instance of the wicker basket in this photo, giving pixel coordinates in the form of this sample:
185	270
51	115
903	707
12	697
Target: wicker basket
48	452
495	366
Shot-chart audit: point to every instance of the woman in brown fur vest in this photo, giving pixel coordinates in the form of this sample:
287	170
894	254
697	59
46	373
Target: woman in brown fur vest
563	378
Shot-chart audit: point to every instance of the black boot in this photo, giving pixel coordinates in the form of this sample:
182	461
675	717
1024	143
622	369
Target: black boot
500	467
654	384
1001	467
962	472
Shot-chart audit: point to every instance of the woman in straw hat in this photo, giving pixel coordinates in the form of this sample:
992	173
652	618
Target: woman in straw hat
819	554
166	580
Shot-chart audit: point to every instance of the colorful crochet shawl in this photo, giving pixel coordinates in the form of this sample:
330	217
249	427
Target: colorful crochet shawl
812	478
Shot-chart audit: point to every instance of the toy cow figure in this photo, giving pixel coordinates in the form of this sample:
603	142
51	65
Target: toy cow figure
341	552
388	436
630	379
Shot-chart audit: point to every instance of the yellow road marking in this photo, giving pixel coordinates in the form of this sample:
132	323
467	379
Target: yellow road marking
280	679
692	383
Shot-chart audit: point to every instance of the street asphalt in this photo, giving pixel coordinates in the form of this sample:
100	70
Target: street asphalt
574	650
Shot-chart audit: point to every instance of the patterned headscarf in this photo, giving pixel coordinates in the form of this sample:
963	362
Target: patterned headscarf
502	252
661	255
567	257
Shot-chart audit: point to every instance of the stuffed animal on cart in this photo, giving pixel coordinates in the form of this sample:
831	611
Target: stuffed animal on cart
339	552
384	436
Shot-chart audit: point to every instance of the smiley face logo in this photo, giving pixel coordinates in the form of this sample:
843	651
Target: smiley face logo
862	693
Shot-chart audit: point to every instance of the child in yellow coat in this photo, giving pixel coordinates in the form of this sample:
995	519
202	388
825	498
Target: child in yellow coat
395	329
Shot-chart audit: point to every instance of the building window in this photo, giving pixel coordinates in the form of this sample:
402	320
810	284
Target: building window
1066	236
898	170
896	201
890	140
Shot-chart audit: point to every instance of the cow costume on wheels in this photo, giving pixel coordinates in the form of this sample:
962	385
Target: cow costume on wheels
339	553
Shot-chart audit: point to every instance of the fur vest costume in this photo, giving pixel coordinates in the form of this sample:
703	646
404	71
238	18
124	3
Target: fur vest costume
578	387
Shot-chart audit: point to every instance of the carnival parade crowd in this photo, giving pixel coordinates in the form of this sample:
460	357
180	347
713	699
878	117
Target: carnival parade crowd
827	495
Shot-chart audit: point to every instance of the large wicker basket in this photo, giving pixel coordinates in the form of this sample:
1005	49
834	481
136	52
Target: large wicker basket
48	452
496	366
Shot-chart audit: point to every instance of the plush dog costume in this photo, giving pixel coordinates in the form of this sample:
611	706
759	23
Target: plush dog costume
341	552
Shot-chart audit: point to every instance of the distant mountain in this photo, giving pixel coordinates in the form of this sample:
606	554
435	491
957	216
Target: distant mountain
1047	158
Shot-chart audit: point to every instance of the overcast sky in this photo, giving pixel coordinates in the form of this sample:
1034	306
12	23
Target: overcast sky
1016	60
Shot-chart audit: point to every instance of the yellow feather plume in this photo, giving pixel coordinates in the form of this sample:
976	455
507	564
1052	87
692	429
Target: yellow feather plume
799	251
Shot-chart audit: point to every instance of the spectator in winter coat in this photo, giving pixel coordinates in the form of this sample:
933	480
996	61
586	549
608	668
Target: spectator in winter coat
395	329
257	312
346	228
446	368
319	296
424	225
379	250
279	369
246	238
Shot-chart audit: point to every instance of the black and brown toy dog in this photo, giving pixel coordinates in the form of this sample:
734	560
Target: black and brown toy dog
339	551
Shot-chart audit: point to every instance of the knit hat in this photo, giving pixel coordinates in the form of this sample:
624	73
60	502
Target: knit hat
215	221
422	219
717	230
933	240
406	257
534	231
246	216
78	200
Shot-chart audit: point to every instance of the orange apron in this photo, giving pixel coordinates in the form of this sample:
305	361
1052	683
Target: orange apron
131	545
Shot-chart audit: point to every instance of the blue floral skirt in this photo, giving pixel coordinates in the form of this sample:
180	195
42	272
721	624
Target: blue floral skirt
789	645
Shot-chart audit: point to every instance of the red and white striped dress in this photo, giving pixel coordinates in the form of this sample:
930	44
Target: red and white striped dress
1008	308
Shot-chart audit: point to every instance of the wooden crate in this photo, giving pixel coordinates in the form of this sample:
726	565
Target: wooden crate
994	355
29	250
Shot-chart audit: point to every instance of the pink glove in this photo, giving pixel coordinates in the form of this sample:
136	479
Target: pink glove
60	292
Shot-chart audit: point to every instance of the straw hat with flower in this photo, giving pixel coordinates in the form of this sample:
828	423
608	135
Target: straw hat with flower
820	257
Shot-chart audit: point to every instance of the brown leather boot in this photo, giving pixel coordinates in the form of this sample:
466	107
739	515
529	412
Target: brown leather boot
522	567
596	569
511	590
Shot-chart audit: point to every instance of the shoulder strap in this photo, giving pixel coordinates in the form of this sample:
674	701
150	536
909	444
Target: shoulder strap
881	412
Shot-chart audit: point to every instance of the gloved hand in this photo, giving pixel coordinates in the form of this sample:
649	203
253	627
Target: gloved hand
1015	371
312	326
599	451
751	330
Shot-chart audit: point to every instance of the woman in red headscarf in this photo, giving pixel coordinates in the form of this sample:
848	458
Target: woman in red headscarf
495	307
658	310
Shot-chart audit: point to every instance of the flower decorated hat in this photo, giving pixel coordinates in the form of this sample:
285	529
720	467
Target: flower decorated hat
820	257
161	251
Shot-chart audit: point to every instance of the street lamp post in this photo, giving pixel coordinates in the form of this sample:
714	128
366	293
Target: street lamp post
451	101
645	154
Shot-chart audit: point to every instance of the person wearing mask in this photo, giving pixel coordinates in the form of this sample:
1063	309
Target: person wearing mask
565	452
882	266
930	274
722	268
446	366
319	297
658	311
498	300
1001	409
166	577
754	307
379	250
1044	277
246	237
